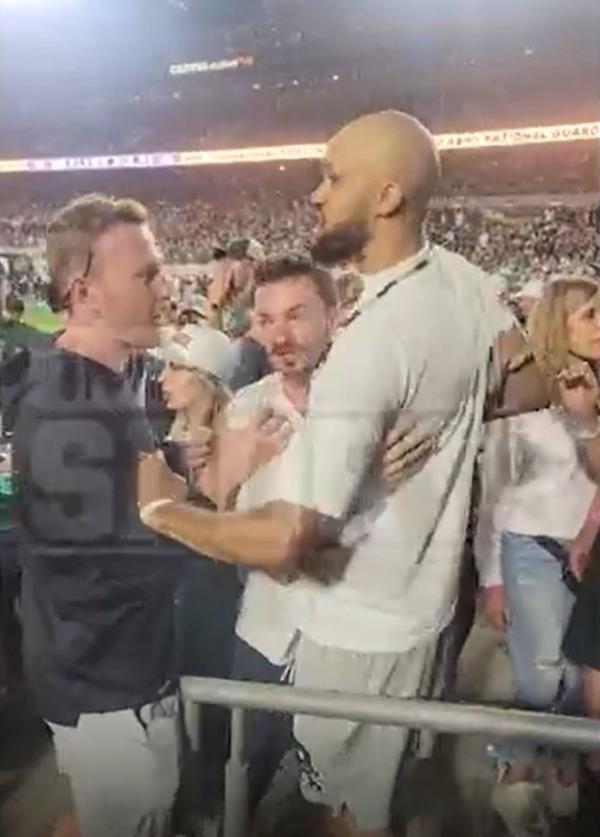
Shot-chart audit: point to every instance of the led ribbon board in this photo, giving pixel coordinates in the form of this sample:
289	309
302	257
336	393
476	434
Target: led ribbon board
504	138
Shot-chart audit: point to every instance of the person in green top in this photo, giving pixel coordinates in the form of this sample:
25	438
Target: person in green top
14	333
6	491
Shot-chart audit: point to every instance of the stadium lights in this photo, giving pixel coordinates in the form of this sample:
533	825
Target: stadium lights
30	2
504	138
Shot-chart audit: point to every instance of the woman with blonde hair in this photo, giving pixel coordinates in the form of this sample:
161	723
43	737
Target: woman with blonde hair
572	356
536	500
563	327
199	363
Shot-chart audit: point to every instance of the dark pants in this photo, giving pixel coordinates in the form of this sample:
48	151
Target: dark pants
11	669
268	735
205	612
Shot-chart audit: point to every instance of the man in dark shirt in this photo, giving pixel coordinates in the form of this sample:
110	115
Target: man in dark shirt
97	588
253	364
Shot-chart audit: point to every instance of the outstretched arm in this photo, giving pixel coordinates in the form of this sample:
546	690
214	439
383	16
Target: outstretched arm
579	394
279	537
518	386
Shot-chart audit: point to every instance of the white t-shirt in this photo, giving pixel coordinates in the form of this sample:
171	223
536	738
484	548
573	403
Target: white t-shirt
270	612
422	348
531	484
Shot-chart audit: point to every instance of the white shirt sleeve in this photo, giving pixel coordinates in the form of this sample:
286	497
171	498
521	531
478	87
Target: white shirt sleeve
355	397
495	474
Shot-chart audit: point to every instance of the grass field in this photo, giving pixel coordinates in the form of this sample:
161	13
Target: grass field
38	315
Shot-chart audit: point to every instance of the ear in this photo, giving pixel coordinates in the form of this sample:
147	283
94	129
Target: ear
332	321
391	199
78	291
85	294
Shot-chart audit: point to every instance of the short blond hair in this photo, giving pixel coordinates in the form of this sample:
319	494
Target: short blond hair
547	324
73	231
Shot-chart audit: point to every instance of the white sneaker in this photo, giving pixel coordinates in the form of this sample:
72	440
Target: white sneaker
522	807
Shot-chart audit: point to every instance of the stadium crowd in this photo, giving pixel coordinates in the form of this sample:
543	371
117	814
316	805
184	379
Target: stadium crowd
193	498
545	240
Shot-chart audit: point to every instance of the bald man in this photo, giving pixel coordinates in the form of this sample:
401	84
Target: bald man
418	346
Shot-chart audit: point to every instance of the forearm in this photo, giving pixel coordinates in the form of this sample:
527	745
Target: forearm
270	538
524	391
488	558
518	384
590	457
593	515
217	487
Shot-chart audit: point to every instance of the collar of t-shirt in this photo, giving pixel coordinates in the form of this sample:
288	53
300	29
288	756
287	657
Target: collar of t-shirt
376	282
281	400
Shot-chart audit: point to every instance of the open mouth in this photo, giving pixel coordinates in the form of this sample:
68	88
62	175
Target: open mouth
285	353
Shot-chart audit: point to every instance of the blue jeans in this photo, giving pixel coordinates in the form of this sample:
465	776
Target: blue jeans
539	606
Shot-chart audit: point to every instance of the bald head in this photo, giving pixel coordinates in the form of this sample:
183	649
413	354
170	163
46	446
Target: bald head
379	174
393	147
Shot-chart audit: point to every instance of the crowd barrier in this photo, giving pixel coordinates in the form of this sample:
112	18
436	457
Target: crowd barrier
561	731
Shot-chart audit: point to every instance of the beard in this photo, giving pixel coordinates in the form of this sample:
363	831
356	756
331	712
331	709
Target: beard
341	243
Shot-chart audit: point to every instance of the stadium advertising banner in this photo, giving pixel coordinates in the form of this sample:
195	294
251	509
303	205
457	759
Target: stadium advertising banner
196	67
505	138
519	136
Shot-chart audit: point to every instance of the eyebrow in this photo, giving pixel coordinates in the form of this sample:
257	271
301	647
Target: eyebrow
154	267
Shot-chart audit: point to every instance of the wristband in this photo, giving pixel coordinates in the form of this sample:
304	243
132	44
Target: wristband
147	510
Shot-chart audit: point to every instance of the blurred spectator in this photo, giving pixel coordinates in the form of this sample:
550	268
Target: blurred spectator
535	243
14	333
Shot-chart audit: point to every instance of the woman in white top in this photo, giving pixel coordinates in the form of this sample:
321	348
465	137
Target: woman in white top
535	500
579	391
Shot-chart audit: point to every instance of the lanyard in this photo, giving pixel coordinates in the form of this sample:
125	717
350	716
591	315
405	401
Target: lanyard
385	290
421	264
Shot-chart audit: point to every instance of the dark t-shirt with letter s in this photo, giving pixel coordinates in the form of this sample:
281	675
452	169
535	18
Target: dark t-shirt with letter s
98	586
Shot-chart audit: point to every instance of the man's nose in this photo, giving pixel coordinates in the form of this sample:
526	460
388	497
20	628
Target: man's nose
318	195
160	288
280	333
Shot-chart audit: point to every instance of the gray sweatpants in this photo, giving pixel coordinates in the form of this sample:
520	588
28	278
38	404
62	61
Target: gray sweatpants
348	762
123	768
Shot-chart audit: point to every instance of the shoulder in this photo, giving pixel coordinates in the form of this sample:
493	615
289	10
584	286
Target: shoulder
267	386
479	289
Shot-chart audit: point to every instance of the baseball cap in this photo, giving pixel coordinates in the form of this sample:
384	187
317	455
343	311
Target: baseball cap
533	289
202	348
246	248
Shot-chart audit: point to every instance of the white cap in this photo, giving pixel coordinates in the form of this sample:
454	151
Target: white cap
255	250
534	289
202	348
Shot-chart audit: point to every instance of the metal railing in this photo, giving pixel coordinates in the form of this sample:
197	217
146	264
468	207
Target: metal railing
561	731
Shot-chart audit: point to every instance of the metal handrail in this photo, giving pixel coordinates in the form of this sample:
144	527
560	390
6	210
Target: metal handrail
463	718
458	718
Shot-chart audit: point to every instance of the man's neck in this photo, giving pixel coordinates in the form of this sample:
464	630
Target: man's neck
295	388
89	342
386	249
